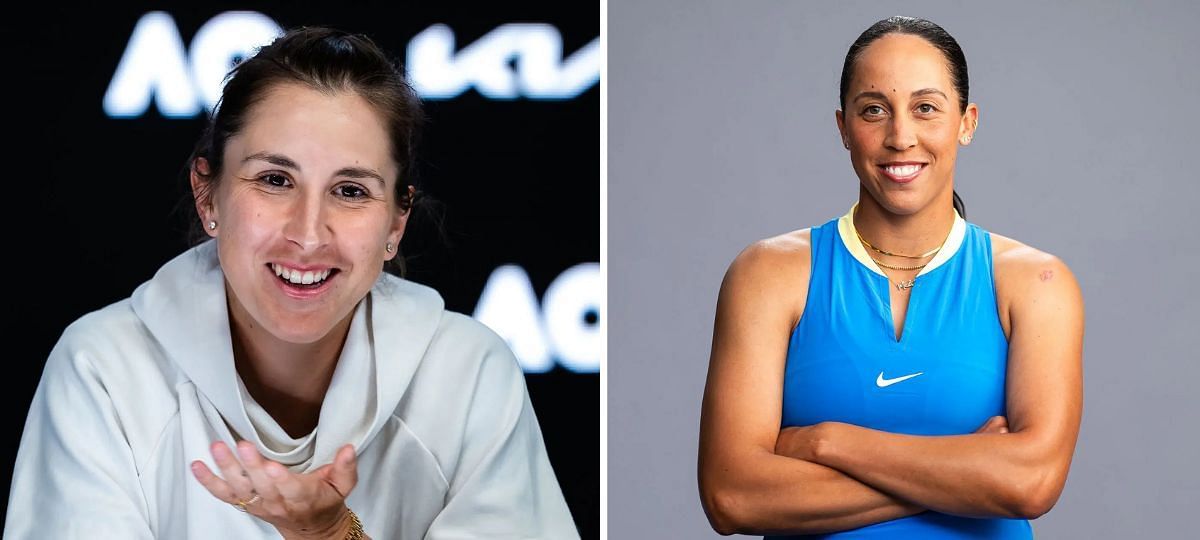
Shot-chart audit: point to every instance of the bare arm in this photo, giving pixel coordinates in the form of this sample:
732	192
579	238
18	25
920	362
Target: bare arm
744	486
1019	474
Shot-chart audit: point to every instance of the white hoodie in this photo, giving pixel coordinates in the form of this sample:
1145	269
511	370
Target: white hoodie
434	403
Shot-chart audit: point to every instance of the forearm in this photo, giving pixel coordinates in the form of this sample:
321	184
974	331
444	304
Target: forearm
771	494
976	475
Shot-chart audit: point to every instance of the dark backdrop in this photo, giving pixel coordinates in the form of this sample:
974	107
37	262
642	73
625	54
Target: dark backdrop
92	199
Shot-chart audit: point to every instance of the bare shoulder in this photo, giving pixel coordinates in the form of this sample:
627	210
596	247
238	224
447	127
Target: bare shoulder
771	275
1017	262
782	257
1026	275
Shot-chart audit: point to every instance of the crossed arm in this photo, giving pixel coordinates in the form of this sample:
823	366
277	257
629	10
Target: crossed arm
755	478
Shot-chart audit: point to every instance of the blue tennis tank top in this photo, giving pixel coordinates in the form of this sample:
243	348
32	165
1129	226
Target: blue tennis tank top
944	376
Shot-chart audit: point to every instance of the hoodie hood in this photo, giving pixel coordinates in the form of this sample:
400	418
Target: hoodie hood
184	307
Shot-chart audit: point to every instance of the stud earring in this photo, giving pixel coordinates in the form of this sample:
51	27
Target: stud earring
212	225
388	247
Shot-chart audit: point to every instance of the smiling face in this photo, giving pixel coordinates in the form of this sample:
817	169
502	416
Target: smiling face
305	205
903	124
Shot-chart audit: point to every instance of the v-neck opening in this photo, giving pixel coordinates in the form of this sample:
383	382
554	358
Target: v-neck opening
887	299
952	245
891	319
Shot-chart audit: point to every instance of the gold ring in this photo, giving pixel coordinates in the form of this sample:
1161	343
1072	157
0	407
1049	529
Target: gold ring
243	504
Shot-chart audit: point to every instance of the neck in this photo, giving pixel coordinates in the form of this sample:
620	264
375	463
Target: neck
910	234
288	380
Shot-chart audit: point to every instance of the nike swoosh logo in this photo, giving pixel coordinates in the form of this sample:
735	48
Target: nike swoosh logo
884	383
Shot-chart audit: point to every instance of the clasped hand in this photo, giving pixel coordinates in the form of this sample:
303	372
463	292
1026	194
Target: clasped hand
298	505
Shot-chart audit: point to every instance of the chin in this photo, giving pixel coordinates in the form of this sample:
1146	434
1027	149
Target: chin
302	333
901	203
905	207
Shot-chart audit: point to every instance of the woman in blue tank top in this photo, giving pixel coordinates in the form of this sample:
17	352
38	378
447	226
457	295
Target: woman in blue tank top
897	372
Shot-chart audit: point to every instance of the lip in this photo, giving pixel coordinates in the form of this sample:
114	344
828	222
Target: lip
296	292
901	179
302	267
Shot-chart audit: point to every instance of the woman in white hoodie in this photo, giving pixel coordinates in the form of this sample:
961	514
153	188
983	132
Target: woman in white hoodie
273	381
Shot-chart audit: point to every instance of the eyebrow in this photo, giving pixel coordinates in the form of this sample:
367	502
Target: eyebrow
274	159
281	160
915	94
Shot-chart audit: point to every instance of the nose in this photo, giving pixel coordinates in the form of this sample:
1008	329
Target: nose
307	224
900	135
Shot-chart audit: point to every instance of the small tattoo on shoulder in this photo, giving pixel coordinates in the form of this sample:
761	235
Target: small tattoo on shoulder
1047	275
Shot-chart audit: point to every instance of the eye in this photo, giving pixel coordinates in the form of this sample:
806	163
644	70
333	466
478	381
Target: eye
274	180
351	191
873	110
926	108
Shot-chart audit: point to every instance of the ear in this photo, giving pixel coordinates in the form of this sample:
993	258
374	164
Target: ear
841	124
399	222
198	176
970	122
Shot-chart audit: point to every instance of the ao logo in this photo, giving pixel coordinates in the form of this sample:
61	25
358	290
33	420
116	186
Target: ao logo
568	328
156	66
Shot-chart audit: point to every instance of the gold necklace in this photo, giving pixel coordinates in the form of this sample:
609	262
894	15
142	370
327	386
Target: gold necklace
877	250
877	261
902	285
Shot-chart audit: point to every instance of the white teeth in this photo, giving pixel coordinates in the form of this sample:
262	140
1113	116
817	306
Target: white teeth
903	171
298	277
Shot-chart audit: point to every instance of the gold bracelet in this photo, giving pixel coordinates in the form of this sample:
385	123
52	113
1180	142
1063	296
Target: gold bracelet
356	527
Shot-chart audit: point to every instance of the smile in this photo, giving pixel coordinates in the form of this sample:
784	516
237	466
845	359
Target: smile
902	173
300	276
302	284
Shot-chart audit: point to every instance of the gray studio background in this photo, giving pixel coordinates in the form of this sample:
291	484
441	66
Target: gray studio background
721	132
